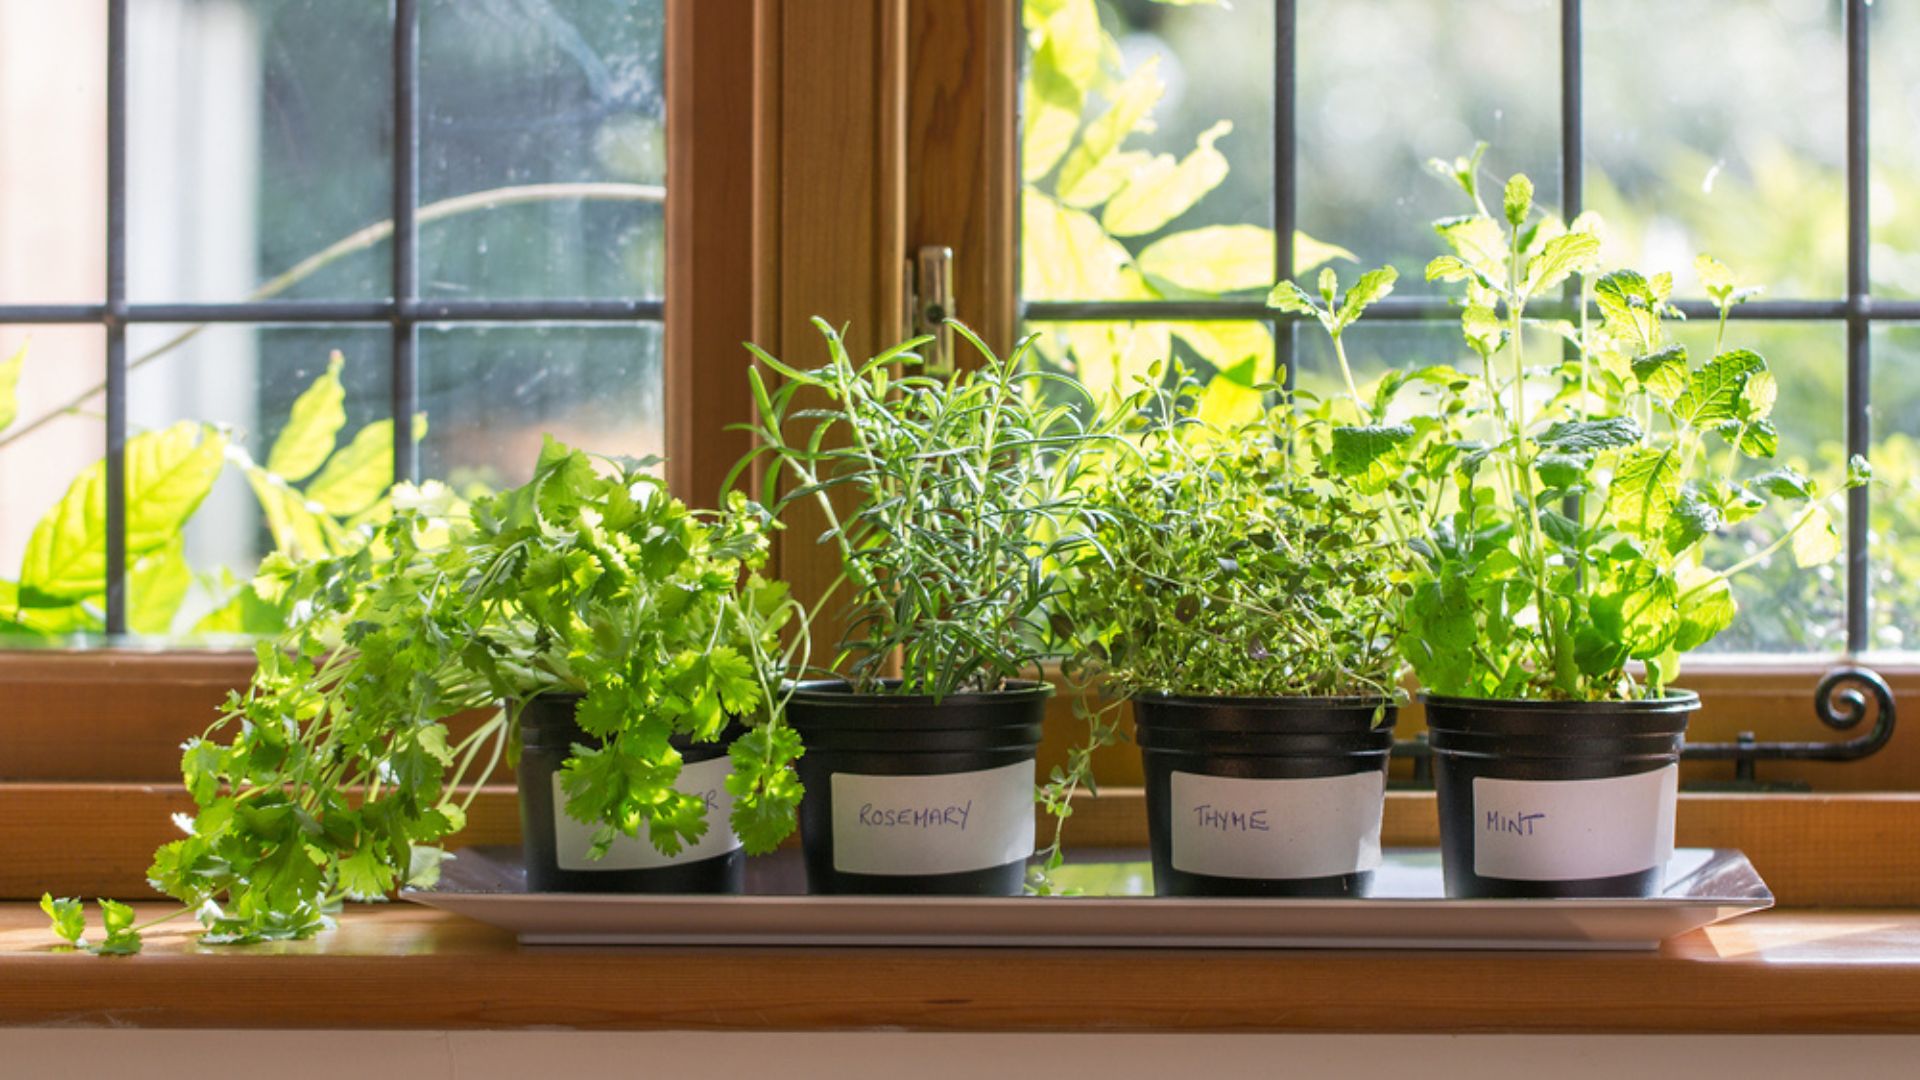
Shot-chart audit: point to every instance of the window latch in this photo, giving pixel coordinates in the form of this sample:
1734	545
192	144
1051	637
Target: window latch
930	304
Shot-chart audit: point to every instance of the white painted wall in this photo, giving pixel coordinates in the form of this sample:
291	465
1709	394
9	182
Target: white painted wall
60	1054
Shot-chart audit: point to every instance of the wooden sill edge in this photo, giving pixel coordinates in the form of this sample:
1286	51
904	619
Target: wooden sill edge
1814	850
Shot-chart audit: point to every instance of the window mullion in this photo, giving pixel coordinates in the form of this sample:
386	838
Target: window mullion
406	198
114	320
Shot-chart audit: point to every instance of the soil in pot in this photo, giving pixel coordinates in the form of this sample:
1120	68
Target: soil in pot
555	845
1557	798
909	796
1264	796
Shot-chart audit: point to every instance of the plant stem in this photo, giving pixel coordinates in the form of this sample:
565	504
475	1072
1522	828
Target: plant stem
362	240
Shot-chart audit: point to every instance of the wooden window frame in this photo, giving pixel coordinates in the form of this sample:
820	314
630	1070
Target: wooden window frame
811	147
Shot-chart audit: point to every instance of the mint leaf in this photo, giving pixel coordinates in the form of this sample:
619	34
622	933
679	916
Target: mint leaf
1715	392
1784	483
1694	518
1518	199
1585	436
1559	258
1372	286
1645	486
1369	455
1663	374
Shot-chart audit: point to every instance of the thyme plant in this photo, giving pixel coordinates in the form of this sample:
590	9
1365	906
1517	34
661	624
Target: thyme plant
1231	563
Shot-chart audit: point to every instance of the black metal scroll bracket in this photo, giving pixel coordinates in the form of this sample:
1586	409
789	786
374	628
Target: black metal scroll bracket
1840	701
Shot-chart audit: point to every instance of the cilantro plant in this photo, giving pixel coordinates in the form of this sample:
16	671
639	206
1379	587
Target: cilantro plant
951	502
337	774
1555	504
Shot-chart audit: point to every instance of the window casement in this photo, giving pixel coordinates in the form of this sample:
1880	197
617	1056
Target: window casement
811	148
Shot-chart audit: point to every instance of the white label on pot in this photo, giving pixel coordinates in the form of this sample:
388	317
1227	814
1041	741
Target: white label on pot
1228	826
1571	830
707	779
940	824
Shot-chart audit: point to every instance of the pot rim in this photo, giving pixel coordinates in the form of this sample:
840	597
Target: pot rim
1674	700
1282	702
839	691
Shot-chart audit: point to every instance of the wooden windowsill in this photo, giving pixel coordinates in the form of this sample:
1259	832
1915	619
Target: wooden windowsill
406	967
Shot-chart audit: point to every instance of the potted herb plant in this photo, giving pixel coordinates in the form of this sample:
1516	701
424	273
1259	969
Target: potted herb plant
624	632
1557	506
651	647
948	503
1244	603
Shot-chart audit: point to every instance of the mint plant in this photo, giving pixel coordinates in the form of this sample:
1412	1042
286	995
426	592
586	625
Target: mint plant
1555	505
337	774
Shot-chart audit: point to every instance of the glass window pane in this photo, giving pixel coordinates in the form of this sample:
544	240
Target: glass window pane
1719	126
302	490
1110	205
1782	607
44	454
258	135
1388	85
492	392
1894	198
53	157
555	108
1893	547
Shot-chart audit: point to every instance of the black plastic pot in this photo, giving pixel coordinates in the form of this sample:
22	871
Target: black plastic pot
909	796
554	845
1547	836
1222	816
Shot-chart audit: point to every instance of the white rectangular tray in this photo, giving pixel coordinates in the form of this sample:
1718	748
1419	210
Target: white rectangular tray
1407	911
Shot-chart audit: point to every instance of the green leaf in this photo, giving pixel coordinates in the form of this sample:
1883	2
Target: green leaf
1245	348
314	422
1645	486
169	473
1757	398
1065	67
1212	259
1373	285
1757	439
1664	374
1639	609
1112	175
1560	257
157	583
1161	191
1309	253
298	530
1132	103
1518	200
1561	471
122	939
1714	394
361	472
1816	542
1291	298
1629	307
69	917
1706	608
1784	483
1227	402
1694	518
1369	455
1714	276
1478	243
10	386
1585	436
1066	255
